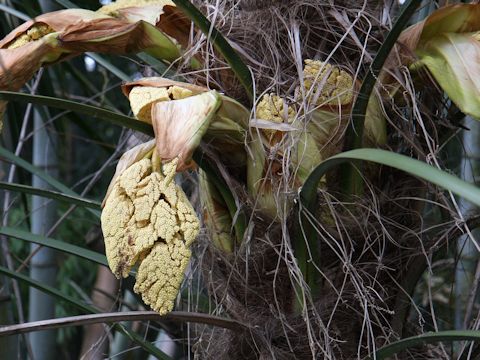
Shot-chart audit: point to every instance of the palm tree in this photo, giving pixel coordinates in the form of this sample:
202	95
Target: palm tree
305	258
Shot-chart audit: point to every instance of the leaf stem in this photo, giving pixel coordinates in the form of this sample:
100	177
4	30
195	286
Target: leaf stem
352	182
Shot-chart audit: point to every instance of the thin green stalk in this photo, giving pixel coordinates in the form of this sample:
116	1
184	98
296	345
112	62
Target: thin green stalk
94	111
352	183
221	44
4	153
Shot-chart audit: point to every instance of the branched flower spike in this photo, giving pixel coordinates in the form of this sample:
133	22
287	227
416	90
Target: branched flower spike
147	218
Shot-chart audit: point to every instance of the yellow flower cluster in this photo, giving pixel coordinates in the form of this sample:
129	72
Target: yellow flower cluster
143	97
274	108
147	218
34	33
335	86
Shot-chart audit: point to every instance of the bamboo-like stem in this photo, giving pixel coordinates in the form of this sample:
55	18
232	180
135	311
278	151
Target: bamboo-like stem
43	266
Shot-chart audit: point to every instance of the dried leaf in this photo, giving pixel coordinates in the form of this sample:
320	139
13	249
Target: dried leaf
457	18
454	61
176	24
57	20
18	65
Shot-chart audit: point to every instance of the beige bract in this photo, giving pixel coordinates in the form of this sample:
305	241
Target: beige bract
112	8
335	86
143	97
36	32
145	212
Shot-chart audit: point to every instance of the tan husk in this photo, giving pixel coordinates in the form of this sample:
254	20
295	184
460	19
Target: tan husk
179	125
456	18
230	109
227	129
115	8
111	35
176	24
57	20
18	65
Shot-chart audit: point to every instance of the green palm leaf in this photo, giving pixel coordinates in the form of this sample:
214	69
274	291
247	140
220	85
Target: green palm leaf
55	244
428	338
55	195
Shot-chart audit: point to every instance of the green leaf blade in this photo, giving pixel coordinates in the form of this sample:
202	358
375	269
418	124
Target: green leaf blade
414	167
55	244
55	195
8	155
427	338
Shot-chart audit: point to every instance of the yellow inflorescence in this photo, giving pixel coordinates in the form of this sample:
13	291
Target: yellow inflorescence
148	218
161	273
274	108
335	86
36	32
110	9
141	100
143	97
178	93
